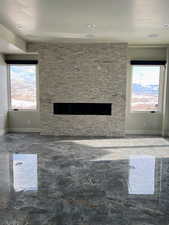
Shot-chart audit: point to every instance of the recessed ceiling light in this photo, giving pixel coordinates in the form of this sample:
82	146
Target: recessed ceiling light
91	26
89	36
153	35
19	27
166	26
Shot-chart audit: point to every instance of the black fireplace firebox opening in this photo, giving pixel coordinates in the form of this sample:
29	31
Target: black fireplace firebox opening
82	108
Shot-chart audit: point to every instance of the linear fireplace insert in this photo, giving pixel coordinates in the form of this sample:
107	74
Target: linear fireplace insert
82	108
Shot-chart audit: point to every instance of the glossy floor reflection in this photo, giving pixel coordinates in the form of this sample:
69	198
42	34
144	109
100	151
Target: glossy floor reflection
25	172
52	181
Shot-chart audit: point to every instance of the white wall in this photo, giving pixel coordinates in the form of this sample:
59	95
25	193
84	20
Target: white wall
165	125
23	121
10	42
3	96
5	179
147	53
143	123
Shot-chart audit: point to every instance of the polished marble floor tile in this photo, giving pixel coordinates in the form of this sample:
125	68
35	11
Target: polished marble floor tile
80	181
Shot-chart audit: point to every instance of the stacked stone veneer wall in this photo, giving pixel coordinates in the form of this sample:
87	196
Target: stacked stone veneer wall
94	73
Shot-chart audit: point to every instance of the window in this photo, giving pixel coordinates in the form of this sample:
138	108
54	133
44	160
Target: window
145	88
23	87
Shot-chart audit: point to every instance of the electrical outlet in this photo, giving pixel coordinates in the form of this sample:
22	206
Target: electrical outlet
28	122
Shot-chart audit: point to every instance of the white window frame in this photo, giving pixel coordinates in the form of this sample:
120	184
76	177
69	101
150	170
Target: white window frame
36	83
161	86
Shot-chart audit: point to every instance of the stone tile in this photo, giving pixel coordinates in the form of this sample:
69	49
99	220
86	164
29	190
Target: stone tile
46	180
93	73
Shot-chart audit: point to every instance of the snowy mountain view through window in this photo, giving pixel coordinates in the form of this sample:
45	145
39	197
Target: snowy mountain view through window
23	86
145	88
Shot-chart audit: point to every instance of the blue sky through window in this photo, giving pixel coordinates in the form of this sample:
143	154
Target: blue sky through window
23	86
145	88
146	75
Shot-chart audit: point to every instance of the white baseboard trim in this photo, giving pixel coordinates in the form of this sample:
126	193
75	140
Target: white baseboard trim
20	130
143	132
33	130
3	131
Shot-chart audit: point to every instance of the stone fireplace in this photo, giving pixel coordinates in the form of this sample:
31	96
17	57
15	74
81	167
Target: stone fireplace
93	74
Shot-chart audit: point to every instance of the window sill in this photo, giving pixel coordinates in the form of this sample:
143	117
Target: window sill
145	112
23	110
